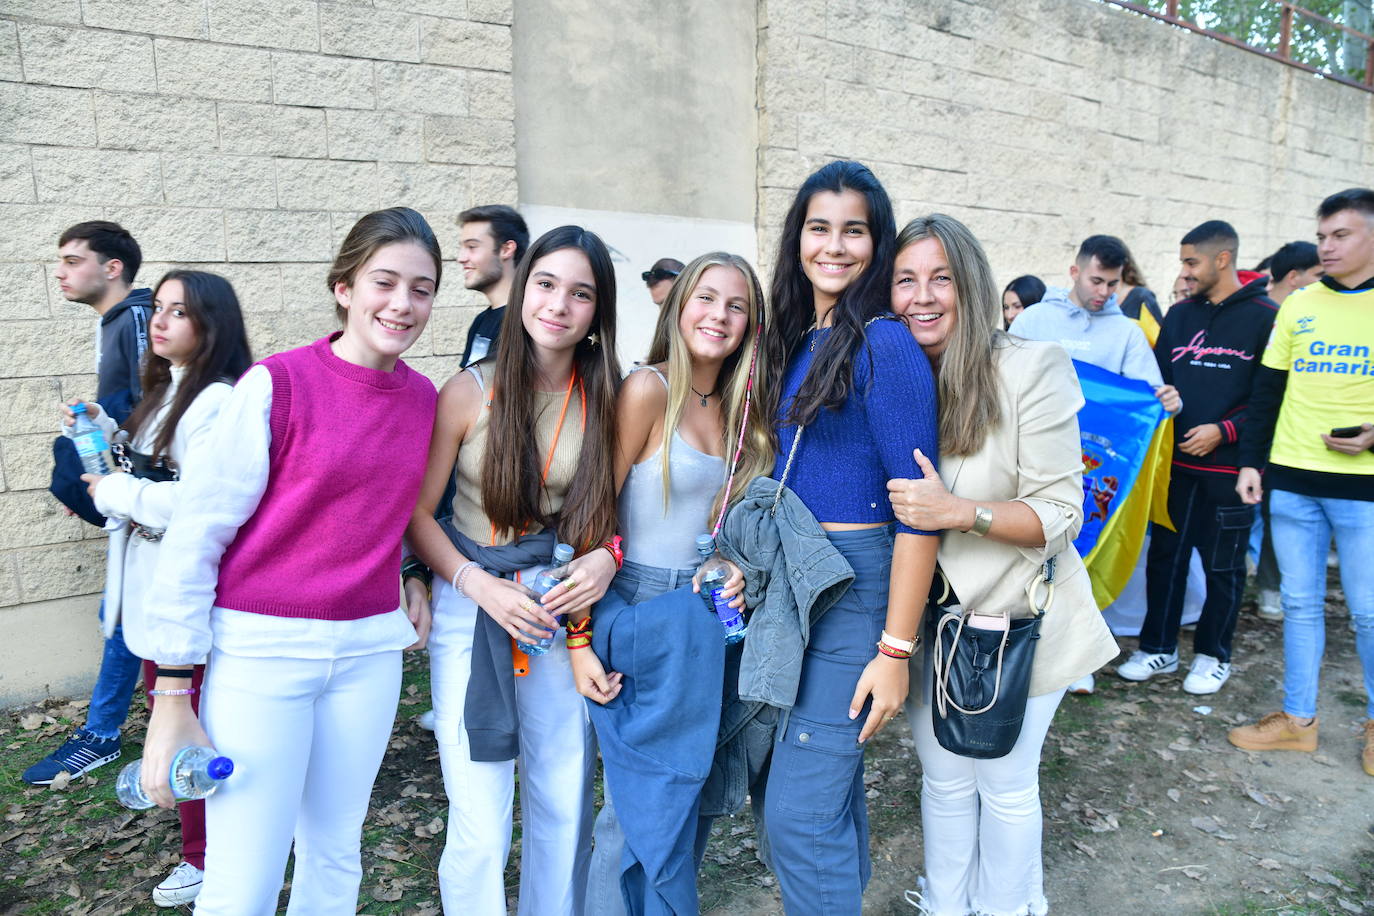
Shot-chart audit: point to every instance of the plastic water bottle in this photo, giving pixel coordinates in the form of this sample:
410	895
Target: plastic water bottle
195	773
562	555
90	443
714	573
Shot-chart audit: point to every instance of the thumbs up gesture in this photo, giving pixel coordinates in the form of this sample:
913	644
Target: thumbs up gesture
925	503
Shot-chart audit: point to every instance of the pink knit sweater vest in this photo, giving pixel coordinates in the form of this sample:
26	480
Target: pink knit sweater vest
348	453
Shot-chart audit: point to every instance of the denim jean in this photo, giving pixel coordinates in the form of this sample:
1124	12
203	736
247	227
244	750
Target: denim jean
815	807
635	582
114	686
1302	527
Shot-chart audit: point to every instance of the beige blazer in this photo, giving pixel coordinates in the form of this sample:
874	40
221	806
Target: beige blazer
1035	457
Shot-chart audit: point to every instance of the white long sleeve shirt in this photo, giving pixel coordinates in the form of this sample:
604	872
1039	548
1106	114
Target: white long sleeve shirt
124	498
232	467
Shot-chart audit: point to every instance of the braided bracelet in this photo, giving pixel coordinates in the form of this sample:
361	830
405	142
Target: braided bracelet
580	641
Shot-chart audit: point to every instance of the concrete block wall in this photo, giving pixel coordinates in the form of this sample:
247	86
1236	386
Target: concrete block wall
1040	122
239	136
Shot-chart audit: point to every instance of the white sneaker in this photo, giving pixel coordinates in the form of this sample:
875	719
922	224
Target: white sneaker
426	720
180	887
1083	686
1269	607
1142	666
1206	675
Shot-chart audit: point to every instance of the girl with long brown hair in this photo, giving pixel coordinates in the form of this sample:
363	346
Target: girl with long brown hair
198	349
529	436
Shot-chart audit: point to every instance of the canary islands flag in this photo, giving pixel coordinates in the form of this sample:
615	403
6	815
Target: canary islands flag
1128	445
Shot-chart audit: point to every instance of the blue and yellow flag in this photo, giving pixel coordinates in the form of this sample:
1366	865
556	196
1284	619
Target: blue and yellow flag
1128	445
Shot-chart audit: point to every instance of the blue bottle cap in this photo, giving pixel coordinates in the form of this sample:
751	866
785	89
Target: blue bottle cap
706	543
79	407
219	768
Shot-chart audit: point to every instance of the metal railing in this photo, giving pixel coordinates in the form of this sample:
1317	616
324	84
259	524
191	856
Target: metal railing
1290	16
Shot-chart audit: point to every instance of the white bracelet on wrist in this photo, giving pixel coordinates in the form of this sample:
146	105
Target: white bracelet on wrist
901	645
460	577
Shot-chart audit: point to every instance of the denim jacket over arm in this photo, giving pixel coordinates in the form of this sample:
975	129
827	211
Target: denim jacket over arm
792	575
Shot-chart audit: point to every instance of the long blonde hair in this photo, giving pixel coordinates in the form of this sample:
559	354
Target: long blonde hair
970	405
758	445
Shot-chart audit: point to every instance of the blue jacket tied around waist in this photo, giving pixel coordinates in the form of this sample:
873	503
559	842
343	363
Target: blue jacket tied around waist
658	737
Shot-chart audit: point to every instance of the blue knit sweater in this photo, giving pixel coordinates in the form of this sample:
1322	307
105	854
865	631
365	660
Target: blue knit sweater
847	456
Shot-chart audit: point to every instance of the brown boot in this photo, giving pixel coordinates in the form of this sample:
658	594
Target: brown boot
1367	758
1277	731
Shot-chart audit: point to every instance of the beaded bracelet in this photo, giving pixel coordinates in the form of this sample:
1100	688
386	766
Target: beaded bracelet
184	692
461	576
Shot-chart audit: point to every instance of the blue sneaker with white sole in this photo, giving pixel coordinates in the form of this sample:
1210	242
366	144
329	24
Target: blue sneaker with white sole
79	754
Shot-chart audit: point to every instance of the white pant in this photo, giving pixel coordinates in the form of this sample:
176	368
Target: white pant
557	764
982	822
307	737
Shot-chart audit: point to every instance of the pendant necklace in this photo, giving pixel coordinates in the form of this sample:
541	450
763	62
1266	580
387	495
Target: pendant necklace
702	396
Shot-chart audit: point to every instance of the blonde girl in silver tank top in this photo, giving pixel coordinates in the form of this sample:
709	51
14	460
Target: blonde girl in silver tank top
678	432
530	435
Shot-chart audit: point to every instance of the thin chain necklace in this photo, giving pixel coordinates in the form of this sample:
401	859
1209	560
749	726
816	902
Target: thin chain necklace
702	396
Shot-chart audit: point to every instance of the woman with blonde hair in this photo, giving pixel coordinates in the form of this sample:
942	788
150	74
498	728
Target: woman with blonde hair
691	435
1008	497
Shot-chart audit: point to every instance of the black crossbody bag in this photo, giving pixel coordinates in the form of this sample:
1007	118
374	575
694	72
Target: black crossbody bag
981	677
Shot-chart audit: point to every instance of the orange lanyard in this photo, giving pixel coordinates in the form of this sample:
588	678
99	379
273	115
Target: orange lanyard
519	659
575	378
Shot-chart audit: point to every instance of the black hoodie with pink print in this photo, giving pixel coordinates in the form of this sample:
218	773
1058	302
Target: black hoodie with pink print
1210	353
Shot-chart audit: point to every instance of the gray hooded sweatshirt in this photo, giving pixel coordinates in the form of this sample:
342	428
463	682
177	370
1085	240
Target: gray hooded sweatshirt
1107	339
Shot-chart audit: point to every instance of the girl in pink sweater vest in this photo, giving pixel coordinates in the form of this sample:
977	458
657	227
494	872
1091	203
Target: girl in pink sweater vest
281	563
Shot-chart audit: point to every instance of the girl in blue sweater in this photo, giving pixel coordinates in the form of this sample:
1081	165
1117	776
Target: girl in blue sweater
860	395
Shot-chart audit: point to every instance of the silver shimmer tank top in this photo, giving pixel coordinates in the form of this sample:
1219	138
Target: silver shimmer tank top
667	538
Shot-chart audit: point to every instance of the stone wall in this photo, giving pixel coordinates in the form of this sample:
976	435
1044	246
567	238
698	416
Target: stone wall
1039	122
245	136
240	136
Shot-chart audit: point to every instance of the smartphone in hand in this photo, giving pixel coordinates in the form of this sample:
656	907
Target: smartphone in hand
1346	432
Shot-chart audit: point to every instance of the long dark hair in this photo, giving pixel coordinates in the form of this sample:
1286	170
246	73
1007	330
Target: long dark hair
221	355
1029	288
511	468
828	382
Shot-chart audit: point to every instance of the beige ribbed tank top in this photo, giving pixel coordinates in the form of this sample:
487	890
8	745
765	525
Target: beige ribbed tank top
468	515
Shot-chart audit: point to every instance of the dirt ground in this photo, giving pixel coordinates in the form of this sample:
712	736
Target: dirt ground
1148	810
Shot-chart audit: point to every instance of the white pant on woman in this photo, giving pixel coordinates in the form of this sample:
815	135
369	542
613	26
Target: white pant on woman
307	737
557	763
981	820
